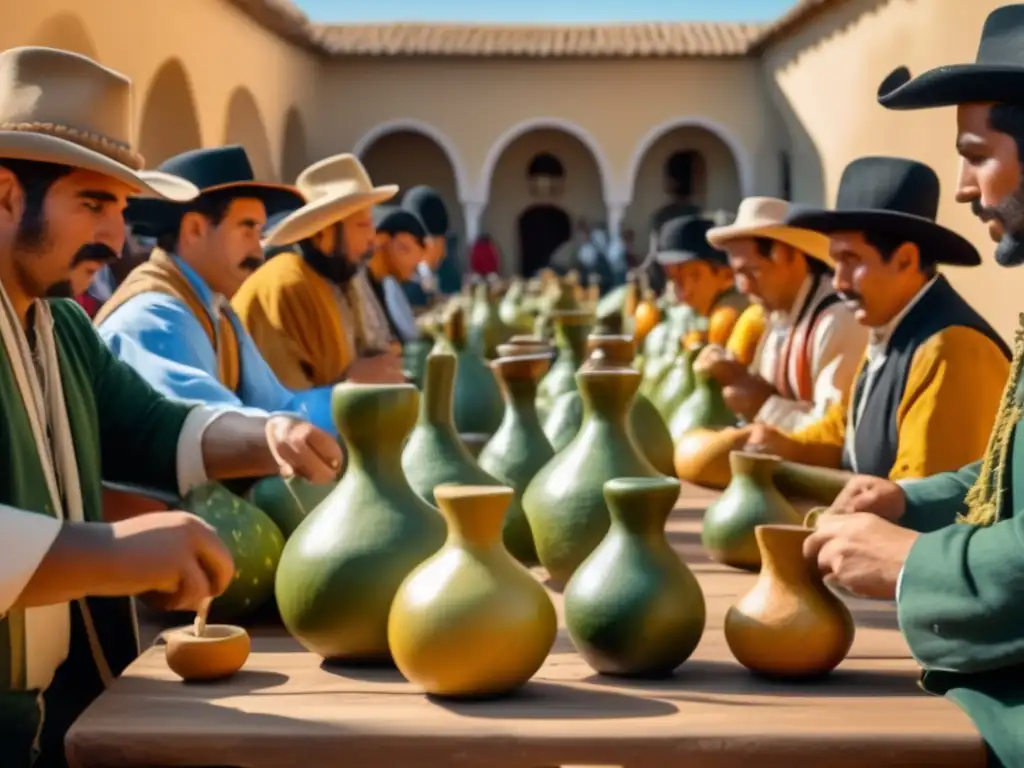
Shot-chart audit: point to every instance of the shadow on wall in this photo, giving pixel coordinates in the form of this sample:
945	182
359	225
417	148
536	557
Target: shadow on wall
170	120
294	151
65	31
245	126
806	166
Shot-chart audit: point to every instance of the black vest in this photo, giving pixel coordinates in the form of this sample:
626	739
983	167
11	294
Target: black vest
876	440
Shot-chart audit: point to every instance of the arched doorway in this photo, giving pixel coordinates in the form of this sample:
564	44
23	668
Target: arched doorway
530	221
245	126
294	153
683	169
170	120
66	31
409	158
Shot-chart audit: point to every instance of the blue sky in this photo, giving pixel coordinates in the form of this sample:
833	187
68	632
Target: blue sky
543	11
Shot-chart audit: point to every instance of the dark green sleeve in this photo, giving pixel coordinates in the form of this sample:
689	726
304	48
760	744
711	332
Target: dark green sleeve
934	502
960	597
138	427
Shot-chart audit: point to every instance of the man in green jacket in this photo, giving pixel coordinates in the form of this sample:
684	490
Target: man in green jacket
72	415
950	548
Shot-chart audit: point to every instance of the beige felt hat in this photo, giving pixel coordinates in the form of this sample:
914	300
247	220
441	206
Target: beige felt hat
765	217
62	107
334	189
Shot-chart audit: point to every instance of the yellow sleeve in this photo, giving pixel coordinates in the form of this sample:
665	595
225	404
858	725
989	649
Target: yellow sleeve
274	306
720	324
954	387
746	334
821	443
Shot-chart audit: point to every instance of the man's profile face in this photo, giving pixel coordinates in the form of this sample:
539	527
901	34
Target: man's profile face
359	233
697	284
405	252
991	180
78	228
765	279
865	280
230	250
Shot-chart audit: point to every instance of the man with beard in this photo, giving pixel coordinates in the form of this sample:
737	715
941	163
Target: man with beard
907	415
948	548
809	355
314	316
170	319
73	416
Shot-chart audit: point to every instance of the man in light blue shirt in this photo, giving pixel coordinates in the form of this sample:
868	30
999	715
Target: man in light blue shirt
171	320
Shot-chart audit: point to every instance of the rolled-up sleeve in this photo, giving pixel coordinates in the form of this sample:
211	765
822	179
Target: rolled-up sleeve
25	538
191	466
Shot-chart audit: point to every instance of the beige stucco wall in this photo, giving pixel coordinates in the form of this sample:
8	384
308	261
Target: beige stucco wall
824	81
203	72
493	115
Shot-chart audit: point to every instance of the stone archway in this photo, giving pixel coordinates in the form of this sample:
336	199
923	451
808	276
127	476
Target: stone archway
409	158
718	174
514	206
294	151
245	126
68	32
170	120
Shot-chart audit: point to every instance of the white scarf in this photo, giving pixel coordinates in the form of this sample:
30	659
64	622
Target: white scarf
47	628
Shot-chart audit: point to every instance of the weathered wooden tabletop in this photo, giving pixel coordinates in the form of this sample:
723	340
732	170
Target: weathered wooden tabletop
284	710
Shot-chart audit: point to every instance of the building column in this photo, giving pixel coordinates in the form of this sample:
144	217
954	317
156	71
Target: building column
616	213
472	212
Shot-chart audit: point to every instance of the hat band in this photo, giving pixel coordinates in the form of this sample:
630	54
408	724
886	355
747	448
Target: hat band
115	150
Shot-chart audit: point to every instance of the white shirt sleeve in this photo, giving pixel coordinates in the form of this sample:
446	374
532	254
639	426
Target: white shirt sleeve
26	537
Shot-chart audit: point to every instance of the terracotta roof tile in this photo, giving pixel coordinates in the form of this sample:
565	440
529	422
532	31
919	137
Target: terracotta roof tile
792	20
605	41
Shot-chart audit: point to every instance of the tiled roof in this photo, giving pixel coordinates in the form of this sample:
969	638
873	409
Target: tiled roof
654	40
583	41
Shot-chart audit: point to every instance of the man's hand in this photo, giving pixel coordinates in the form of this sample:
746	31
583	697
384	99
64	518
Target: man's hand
876	495
747	394
173	559
301	449
766	439
378	369
863	553
179	559
714	362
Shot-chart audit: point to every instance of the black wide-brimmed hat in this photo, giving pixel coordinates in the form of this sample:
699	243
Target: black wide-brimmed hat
212	170
685	239
392	220
997	74
427	203
894	197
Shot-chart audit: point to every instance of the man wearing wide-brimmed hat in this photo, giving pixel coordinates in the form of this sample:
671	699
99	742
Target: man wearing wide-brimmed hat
907	416
314	315
704	283
73	415
954	561
170	319
813	344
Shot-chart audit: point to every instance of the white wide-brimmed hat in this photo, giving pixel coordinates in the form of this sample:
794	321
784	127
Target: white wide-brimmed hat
334	189
766	217
64	108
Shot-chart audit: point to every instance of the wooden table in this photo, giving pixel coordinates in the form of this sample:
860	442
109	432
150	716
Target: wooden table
284	710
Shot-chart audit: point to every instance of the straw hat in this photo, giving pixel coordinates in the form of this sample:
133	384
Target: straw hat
766	217
334	189
61	107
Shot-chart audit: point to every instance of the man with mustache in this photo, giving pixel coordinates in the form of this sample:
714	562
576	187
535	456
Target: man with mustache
907	415
948	548
74	416
170	319
809	355
313	314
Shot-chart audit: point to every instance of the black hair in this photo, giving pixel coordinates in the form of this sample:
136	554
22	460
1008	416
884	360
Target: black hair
35	178
1009	119
887	243
212	206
